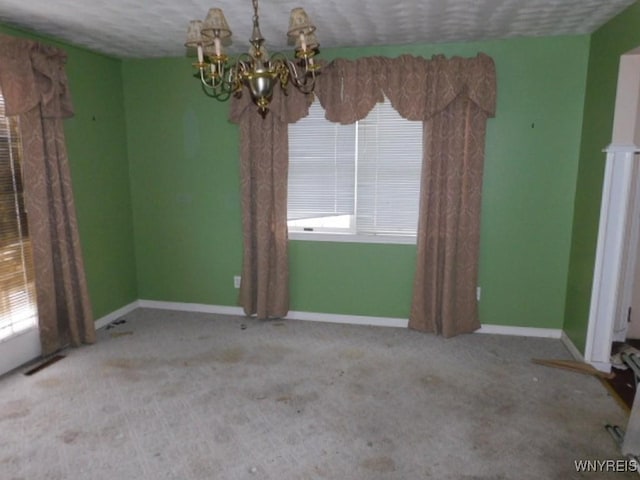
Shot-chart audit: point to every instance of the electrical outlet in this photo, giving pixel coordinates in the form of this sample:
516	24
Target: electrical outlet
478	291
236	281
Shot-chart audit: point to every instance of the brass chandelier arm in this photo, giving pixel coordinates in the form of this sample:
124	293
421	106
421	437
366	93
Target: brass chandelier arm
288	71
305	82
218	82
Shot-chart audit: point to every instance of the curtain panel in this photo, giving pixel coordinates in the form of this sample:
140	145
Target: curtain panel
35	87
264	170
453	98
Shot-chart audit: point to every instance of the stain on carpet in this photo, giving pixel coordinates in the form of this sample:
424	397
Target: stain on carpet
123	363
120	334
126	368
431	380
230	355
380	464
110	409
352	353
14	410
269	354
356	388
298	402
70	436
52	382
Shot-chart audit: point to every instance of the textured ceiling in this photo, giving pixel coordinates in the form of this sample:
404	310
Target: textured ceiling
145	28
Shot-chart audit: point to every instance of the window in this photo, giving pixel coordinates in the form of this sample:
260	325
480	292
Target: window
17	289
359	182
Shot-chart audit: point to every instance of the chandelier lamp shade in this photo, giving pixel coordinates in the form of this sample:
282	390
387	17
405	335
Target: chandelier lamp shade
256	70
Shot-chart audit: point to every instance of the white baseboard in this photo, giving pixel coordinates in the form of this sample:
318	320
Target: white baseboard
573	350
520	331
327	317
292	315
116	314
191	307
403	323
348	319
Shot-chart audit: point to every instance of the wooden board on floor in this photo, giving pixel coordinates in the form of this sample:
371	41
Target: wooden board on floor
574	366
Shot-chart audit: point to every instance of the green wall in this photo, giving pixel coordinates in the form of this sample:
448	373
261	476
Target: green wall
96	142
617	37
183	157
184	172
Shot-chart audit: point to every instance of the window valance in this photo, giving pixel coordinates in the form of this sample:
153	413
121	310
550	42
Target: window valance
32	73
417	87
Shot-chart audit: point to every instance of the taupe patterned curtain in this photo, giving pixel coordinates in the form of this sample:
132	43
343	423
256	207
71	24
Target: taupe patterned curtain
463	97
453	98
34	85
264	161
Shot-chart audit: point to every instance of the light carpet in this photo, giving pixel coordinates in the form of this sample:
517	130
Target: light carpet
187	396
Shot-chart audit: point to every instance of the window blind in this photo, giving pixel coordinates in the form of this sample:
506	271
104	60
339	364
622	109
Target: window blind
389	163
17	290
321	167
369	170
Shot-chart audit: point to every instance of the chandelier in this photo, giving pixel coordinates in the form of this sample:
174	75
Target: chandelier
256	70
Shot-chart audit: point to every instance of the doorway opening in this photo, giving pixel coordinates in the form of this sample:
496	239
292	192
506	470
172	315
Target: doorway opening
19	336
617	254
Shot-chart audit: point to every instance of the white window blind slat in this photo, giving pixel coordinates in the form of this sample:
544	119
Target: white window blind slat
389	166
366	174
321	176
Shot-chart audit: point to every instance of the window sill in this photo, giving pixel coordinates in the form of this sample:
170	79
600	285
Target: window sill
352	238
